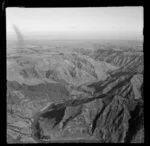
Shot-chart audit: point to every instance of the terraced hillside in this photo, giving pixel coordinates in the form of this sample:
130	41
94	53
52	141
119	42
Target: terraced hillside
80	95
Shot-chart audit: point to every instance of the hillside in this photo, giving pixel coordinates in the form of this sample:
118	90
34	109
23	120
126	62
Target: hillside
76	95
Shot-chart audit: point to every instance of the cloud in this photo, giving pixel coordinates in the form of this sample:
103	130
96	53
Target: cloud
20	39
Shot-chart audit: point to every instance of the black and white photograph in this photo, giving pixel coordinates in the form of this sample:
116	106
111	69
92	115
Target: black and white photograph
74	75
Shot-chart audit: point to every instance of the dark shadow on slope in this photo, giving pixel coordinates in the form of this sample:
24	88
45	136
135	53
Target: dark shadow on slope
55	114
53	118
94	124
120	85
135	123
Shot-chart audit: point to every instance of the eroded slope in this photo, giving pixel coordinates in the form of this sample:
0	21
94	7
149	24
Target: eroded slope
75	96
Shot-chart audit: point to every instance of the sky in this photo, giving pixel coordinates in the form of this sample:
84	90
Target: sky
76	23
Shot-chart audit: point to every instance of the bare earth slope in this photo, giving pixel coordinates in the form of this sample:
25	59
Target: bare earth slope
80	95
